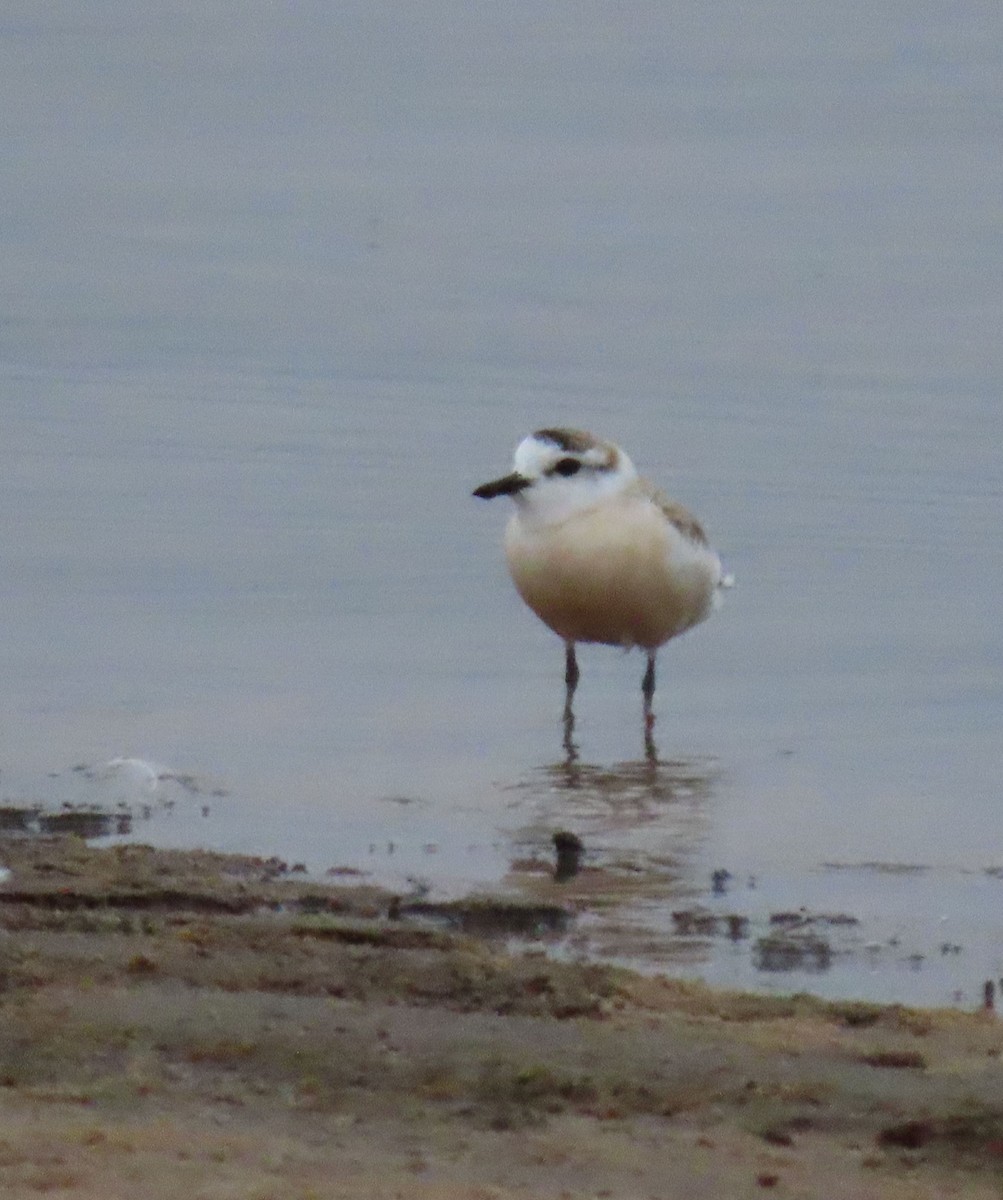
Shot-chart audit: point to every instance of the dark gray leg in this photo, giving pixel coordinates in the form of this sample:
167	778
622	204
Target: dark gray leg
648	691
570	670
571	682
648	683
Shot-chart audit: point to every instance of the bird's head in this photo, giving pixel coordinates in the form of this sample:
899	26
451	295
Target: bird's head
559	472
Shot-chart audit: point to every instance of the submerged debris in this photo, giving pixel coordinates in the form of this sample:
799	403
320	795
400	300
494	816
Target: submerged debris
719	881
569	849
792	952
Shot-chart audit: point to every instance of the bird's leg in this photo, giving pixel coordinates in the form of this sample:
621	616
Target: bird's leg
570	671
571	682
648	690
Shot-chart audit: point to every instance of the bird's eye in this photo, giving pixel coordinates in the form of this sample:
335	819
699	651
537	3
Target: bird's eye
567	467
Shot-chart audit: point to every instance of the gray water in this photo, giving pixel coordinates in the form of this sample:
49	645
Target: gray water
284	283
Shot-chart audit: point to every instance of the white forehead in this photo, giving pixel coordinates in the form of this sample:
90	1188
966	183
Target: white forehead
534	456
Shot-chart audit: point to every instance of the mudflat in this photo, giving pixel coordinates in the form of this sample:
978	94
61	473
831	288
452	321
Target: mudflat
181	1024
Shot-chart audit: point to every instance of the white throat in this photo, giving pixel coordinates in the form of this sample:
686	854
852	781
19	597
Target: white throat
551	499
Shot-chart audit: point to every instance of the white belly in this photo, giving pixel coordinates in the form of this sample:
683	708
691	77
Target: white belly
619	573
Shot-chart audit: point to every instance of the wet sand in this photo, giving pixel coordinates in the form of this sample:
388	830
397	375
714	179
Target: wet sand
190	1024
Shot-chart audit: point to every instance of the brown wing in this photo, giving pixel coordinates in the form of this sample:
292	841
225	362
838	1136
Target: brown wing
675	513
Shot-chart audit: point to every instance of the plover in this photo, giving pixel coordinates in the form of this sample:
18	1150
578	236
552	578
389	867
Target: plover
599	553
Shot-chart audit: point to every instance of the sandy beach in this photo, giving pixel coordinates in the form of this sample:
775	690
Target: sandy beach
188	1024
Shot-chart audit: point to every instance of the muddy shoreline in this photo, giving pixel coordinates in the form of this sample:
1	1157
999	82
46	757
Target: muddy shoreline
202	1024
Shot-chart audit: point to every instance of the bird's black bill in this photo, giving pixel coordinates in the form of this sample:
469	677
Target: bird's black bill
508	485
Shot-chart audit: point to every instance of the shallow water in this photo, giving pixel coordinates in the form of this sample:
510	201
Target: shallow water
283	288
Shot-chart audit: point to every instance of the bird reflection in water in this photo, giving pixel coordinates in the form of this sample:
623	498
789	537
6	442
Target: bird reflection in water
608	801
570	746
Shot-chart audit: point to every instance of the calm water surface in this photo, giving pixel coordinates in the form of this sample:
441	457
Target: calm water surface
284	286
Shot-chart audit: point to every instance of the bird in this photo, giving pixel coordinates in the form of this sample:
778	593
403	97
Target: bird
600	554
